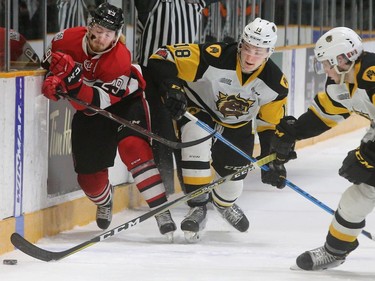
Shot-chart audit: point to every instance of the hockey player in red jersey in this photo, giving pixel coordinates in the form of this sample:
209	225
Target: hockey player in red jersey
350	88
227	86
93	64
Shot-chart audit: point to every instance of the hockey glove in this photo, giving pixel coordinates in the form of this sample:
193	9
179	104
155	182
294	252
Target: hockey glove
359	165
175	100
276	174
52	85
64	67
284	140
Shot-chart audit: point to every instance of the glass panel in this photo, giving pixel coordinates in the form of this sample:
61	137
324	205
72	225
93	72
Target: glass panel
52	17
71	13
26	24
2	49
30	19
2	35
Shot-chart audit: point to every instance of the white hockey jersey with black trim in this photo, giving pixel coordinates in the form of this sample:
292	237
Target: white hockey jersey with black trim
215	84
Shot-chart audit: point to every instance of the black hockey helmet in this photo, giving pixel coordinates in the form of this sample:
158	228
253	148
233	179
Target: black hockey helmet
108	16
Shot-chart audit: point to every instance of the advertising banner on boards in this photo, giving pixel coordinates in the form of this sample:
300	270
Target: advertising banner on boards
61	176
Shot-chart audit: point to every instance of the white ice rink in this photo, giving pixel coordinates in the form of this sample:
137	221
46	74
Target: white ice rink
283	224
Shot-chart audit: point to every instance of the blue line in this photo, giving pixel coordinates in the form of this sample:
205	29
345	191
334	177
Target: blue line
19	129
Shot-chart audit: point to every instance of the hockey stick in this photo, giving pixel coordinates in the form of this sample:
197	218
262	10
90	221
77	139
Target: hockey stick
288	183
135	127
45	255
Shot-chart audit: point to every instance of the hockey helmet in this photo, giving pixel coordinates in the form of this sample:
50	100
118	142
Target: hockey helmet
260	33
108	16
338	41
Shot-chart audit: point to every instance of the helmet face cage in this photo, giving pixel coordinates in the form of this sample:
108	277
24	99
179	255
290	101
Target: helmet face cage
338	41
260	33
107	16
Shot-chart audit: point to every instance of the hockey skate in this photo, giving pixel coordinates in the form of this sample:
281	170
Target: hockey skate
318	259
194	222
234	216
104	215
166	224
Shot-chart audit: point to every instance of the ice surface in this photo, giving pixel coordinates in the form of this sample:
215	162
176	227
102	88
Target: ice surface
283	224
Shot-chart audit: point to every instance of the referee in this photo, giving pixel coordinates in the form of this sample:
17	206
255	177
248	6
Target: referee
74	12
164	22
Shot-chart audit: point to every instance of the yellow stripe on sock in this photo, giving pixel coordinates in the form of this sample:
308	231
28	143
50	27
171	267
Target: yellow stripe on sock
341	236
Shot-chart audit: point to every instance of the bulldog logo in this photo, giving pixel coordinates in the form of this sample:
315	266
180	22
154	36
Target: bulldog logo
233	105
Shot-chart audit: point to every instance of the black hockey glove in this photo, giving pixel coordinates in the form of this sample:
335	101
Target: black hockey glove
175	100
276	174
284	140
359	165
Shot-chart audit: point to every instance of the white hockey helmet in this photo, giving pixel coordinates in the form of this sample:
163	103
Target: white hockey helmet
260	33
338	41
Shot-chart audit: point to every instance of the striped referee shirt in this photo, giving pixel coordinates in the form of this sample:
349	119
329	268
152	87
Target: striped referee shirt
73	12
168	22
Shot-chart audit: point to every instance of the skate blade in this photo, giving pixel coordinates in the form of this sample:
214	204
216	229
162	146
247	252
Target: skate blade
169	236
192	237
295	267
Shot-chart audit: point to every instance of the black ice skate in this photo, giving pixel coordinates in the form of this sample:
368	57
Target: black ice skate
166	224
234	216
104	215
194	222
318	259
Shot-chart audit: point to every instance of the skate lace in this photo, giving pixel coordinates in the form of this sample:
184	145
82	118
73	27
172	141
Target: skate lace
196	214
104	212
164	218
233	214
322	257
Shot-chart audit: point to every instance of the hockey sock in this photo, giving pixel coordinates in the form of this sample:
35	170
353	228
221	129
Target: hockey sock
96	186
137	155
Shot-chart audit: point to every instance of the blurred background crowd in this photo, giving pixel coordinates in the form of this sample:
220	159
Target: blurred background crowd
299	21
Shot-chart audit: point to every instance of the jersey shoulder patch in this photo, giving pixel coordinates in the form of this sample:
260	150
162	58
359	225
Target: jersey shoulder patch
214	50
369	74
284	82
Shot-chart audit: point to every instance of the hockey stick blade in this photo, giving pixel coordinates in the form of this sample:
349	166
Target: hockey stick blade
135	127
45	255
253	160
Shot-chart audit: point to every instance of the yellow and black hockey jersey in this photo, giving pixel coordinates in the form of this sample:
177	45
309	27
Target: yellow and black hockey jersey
338	102
215	84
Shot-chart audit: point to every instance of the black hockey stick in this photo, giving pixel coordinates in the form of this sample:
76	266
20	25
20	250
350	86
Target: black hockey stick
45	255
135	127
288	183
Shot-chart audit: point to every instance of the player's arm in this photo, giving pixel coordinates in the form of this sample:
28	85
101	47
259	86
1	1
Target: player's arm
274	94
322	115
269	115
65	77
184	62
170	66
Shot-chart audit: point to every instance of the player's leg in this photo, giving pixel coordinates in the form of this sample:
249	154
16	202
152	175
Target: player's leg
135	151
349	220
196	172
161	124
94	149
225	161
